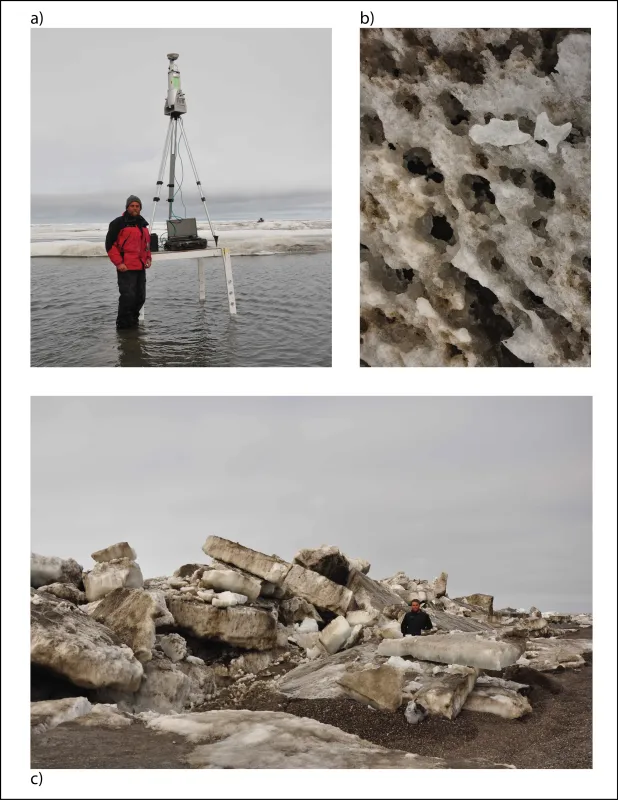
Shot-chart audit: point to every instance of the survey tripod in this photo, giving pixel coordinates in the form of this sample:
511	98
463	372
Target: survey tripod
175	107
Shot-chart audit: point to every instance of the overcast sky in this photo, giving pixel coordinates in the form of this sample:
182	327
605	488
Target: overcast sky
495	491
258	120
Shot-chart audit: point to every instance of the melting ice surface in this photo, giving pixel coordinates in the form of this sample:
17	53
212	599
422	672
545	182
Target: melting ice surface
86	240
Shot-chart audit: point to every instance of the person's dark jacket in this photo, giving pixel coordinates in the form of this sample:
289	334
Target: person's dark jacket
128	241
415	622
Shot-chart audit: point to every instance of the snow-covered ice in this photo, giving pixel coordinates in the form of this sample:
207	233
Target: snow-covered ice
243	238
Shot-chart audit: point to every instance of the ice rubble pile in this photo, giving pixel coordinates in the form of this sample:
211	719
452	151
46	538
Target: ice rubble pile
169	644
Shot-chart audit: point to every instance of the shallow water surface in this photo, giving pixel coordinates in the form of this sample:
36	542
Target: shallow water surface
284	314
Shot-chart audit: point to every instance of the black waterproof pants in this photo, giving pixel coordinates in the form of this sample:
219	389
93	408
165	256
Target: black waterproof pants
132	287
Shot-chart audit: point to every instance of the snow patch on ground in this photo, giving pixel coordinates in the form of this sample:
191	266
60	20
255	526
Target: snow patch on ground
274	740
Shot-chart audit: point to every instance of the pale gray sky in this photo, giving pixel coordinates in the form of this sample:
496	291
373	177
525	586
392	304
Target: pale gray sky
258	120
496	491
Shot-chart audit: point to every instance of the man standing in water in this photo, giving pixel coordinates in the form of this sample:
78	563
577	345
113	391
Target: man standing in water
128	247
415	621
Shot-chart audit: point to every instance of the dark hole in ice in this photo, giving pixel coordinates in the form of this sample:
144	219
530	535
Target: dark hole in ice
376	56
500	51
586	262
542	142
467	66
539	225
417	160
543	185
364	246
372	128
416	166
482	160
494	325
453	108
575	137
441	229
364	325
391	146
481	188
396	73
497	263
476	192
453	350
529	299
438	177
409	101
405	274
488	117
363	363
504	173
518	176
536	261
549	54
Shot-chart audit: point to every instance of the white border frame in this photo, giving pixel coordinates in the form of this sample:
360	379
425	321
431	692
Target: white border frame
345	378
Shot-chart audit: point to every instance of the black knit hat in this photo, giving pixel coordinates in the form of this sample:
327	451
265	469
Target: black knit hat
132	198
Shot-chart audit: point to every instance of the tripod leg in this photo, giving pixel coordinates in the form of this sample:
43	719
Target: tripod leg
157	196
172	180
197	180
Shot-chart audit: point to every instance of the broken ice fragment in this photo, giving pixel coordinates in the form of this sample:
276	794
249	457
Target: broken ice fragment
499	132
552	134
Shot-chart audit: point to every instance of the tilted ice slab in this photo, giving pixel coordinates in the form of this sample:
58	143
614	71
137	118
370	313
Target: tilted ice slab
46	714
371	595
51	569
114	552
442	620
497	700
275	740
377	686
240	626
71	643
166	688
269	568
105	715
455	648
317	589
548	655
317	680
292	578
335	634
130	613
106	576
65	591
490	681
445	695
